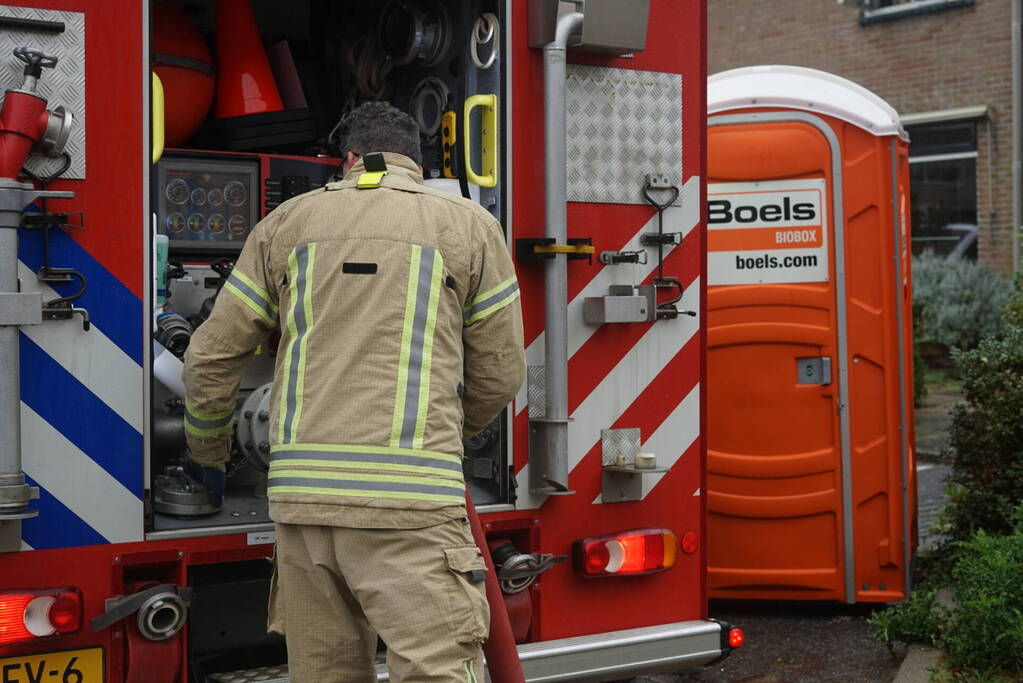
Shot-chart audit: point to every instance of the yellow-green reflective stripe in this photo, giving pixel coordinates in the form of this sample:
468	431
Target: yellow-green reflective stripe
229	286
289	352
365	494
428	263
489	293
216	424
293	272
218	431
368	477
406	342
351	464
332	448
305	324
483	313
208	416
246	280
431	324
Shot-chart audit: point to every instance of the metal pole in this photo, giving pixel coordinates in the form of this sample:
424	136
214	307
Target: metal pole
14	492
555	467
1017	132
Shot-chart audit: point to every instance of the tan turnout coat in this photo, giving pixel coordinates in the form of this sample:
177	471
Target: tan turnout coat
400	333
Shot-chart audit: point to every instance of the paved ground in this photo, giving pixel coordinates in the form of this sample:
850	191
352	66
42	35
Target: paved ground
817	644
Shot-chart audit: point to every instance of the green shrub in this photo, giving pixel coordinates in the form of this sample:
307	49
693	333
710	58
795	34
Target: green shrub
982	632
1012	314
916	620
961	301
986	630
986	438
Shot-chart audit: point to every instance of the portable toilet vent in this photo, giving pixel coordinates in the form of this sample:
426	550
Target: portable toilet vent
812	479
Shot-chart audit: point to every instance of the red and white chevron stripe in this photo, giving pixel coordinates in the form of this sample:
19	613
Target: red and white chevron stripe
628	375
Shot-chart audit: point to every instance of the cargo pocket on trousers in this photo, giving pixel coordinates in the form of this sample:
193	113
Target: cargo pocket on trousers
274	609
469	611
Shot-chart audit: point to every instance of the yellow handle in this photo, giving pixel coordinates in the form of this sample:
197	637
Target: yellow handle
488	177
158	119
448	139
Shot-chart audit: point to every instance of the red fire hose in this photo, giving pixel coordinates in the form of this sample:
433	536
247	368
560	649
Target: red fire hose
503	663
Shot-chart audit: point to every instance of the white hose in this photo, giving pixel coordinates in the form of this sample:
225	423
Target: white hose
167	369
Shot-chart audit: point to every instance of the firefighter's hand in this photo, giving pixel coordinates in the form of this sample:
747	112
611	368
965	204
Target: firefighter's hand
213	479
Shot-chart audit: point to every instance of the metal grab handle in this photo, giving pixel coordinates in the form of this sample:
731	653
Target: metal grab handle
32	56
488	129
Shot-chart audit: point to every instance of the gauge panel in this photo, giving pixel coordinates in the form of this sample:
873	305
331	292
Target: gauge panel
207	204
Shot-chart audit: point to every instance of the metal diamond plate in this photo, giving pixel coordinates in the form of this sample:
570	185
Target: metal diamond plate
618	447
536	390
263	674
622	125
64	85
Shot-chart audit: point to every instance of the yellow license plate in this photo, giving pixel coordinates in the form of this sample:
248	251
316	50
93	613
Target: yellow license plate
69	666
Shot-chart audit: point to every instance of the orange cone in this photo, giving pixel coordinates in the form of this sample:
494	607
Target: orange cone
245	83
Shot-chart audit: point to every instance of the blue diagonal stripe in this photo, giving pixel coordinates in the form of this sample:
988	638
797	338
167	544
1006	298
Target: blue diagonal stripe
56	526
113	307
78	414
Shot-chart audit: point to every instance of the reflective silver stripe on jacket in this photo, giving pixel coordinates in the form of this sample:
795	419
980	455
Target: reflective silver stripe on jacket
300	321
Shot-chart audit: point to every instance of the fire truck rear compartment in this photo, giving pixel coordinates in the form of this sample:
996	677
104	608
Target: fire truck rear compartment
207	195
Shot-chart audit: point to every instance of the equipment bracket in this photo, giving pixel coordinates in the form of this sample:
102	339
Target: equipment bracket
54	220
21	308
577	248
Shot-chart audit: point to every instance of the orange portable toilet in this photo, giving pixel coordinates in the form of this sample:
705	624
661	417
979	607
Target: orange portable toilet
812	479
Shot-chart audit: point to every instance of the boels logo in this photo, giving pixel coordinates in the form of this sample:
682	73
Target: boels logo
766	232
722	211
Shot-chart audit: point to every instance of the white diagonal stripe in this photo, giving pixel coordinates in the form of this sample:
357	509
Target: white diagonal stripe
26	546
95	361
676	219
78	482
630	377
624	384
674	437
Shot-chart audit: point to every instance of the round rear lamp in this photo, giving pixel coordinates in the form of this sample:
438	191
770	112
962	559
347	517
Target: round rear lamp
690	542
736	637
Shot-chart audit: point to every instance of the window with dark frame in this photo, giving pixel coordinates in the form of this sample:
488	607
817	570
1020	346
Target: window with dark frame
943	188
876	11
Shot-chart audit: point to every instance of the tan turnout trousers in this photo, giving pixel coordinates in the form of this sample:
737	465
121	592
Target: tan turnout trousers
419	590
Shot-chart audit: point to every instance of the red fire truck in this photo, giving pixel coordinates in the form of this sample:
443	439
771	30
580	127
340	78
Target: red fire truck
141	141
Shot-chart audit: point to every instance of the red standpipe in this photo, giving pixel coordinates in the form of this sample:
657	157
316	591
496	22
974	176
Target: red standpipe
22	124
503	663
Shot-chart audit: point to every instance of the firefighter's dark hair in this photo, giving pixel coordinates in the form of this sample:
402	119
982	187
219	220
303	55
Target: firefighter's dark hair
379	127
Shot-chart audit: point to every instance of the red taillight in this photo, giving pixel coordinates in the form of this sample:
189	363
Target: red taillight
25	615
627	553
736	637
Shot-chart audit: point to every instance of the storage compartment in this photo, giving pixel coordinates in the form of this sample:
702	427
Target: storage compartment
266	132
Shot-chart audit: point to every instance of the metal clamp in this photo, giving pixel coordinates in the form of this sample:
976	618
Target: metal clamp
613	258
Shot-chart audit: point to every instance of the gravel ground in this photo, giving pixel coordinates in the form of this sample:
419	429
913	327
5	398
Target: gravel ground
796	643
791	643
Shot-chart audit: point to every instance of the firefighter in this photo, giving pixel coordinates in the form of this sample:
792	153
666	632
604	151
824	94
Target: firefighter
400	335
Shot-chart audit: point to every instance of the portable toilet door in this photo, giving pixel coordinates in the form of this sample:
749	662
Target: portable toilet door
812	480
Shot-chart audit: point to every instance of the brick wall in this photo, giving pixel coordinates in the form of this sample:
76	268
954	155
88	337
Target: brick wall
958	57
